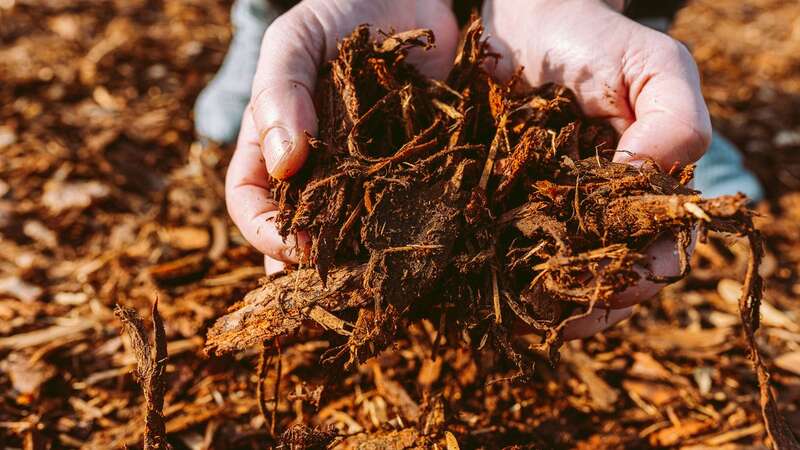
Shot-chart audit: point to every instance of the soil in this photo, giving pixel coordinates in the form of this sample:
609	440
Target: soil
434	243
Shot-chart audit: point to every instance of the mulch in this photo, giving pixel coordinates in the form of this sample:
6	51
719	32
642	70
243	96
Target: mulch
107	199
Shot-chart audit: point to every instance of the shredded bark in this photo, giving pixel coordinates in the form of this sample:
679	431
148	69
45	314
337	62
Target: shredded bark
107	197
497	197
303	437
749	308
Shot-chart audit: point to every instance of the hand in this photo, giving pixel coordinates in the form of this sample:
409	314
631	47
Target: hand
272	139
643	82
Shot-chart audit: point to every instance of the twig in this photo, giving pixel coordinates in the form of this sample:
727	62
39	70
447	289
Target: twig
778	430
276	388
412	248
498	317
150	370
489	165
577	204
329	321
263	368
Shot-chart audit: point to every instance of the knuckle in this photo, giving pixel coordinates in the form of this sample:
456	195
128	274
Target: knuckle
692	140
676	48
704	141
706	136
260	96
669	48
283	22
698	136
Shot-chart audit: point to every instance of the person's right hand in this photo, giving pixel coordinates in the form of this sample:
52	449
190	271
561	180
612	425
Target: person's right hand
644	83
272	142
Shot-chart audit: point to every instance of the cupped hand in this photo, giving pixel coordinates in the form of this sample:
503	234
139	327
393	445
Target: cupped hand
643	82
272	142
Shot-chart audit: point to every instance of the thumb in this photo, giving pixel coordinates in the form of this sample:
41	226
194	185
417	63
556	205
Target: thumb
672	124
282	102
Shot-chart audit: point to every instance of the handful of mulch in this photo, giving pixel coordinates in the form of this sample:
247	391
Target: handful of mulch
474	205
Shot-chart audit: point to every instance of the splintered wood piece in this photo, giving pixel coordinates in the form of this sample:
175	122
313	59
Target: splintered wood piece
151	362
282	304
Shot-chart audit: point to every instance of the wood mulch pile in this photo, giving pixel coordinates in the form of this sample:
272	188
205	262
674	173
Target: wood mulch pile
107	200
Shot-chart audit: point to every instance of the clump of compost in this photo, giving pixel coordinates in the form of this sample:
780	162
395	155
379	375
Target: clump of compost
476	204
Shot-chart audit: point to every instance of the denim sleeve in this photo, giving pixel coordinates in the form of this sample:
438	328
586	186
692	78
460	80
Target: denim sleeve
641	9
636	9
284	4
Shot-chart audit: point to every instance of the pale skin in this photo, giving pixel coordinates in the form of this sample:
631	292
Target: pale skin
643	82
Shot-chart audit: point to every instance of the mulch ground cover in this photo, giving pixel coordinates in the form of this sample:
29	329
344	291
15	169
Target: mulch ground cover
444	217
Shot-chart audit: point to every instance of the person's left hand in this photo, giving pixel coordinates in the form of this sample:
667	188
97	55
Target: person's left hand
272	141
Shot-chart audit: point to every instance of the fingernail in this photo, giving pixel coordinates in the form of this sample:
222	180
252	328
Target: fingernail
277	145
631	159
626	156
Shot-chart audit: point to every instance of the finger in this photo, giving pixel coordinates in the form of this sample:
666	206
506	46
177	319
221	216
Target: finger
273	266
437	16
249	202
282	106
662	260
501	68
600	319
671	123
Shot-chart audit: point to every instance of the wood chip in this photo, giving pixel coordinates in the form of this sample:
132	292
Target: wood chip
789	362
45	335
452	443
679	433
20	289
186	238
603	396
26	376
60	196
